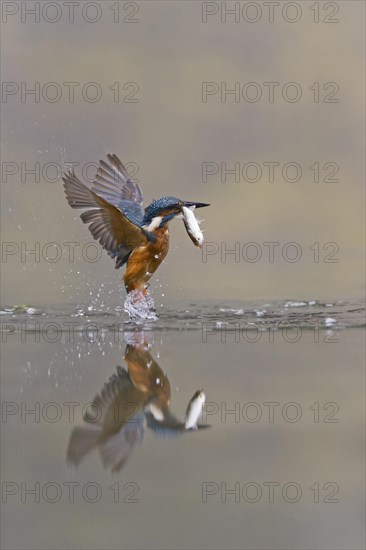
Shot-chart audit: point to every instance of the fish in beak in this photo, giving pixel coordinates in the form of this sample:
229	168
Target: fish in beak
191	224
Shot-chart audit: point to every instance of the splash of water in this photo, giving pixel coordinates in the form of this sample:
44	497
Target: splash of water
140	307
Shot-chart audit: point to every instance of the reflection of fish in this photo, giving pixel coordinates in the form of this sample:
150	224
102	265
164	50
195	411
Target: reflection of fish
170	425
192	226
194	410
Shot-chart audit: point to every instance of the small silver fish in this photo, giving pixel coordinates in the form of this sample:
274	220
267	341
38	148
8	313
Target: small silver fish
192	227
194	410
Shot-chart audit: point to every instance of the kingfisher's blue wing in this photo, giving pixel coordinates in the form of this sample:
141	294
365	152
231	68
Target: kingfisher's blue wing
111	226
113	184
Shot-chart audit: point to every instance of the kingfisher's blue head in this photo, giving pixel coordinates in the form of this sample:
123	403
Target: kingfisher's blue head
161	211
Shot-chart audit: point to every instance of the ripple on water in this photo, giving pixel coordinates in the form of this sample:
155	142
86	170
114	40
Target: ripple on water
187	315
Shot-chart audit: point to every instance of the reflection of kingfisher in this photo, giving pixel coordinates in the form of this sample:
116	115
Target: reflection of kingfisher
131	235
129	401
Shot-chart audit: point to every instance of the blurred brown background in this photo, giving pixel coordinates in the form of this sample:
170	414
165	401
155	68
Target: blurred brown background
168	52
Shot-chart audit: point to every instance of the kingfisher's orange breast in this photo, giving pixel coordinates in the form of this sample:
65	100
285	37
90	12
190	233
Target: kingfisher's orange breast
145	260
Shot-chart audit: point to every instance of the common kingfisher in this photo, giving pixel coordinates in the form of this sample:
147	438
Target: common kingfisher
130	234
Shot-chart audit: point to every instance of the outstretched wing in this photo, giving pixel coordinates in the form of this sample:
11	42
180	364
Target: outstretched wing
108	224
115	424
117	385
113	184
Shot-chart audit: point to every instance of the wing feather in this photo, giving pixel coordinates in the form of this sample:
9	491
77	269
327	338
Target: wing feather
111	227
113	184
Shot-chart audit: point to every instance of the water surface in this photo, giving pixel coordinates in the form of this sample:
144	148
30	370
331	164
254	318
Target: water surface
281	465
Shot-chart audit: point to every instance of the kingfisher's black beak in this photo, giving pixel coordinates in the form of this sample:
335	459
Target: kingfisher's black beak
196	204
